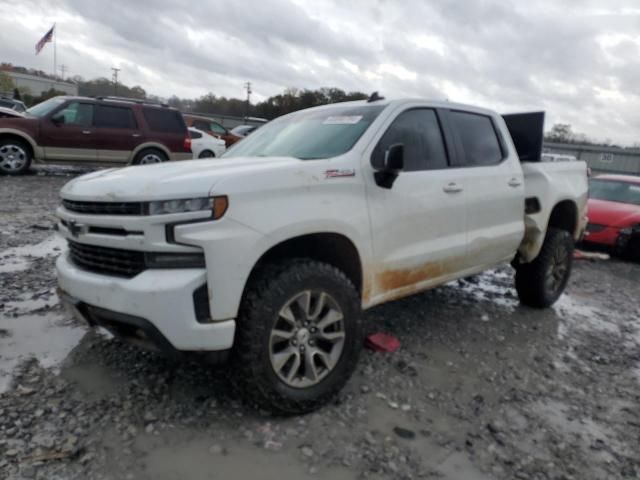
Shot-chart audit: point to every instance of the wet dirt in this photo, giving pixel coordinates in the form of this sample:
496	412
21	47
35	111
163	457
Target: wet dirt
481	388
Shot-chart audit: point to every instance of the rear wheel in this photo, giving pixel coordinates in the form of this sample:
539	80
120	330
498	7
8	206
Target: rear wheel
206	154
298	338
15	157
150	156
540	283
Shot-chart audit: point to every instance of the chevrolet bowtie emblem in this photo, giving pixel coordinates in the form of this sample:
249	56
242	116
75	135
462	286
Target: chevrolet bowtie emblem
74	228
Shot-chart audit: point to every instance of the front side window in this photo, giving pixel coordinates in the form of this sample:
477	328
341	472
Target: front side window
217	128
478	137
76	114
418	130
309	134
114	117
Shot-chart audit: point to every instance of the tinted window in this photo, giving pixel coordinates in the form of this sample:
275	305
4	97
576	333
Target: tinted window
217	128
479	139
419	131
195	134
5	103
164	120
201	125
613	191
77	114
114	117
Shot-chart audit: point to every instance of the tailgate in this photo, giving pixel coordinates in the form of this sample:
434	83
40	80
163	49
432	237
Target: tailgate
527	133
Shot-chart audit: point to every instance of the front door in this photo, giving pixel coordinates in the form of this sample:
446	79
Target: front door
419	224
68	135
494	186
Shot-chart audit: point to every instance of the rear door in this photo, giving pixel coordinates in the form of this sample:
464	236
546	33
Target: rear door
418	225
68	133
117	132
494	188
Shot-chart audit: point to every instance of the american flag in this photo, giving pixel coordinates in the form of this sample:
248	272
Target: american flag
48	37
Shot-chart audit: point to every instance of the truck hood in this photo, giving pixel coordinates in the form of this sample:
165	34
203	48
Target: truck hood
170	180
612	214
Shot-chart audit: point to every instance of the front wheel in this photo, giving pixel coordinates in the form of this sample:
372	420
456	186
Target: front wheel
15	157
299	336
540	283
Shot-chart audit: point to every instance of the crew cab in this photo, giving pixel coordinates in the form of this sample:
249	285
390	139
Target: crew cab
87	130
269	254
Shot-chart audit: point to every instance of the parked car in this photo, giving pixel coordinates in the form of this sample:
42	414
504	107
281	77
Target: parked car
6	112
13	104
212	128
243	130
205	146
104	130
614	214
268	255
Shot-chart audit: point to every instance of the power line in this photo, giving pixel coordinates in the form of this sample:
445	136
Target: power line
115	79
63	70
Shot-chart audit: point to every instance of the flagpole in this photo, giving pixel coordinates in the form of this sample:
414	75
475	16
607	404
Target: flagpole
55	37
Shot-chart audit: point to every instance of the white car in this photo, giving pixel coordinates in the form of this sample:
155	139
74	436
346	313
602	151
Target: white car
205	146
270	254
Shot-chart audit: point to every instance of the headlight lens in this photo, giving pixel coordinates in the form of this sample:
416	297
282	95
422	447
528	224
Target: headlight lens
217	206
180	206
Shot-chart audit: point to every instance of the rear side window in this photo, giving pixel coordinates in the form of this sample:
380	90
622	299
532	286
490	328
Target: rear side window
195	135
201	125
164	120
479	139
419	131
114	117
217	128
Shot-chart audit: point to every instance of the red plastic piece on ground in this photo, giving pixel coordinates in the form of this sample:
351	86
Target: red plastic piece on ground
577	254
381	342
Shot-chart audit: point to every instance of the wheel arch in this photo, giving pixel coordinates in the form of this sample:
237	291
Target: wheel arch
564	216
332	248
148	146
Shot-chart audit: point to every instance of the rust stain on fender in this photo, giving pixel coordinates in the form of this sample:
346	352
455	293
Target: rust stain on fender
400	278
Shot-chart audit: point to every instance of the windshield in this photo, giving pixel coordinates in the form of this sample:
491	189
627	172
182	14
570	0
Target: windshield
309	134
615	191
42	109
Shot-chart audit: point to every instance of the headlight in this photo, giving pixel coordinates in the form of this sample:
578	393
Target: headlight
217	206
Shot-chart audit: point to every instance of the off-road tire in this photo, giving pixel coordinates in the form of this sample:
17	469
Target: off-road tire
20	148
267	293
531	278
140	156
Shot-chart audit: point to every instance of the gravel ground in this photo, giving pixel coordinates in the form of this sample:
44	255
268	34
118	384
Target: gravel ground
481	388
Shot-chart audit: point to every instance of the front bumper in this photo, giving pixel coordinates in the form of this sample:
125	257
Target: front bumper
161	298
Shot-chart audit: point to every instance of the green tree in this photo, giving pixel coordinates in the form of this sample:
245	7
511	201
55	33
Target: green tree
6	83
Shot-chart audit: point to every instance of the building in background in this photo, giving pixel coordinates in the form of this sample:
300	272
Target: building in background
601	159
38	85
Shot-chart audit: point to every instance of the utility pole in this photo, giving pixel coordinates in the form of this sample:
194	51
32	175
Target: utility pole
115	80
248	88
63	70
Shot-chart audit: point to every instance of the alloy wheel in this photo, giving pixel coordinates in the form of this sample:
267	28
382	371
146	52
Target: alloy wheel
12	157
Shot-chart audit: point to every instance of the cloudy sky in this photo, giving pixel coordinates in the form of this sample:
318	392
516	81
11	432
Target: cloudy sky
577	59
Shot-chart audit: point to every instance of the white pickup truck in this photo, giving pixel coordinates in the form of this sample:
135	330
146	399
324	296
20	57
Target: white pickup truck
269	255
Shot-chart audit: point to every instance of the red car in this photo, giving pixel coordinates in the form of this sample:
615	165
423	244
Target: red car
614	213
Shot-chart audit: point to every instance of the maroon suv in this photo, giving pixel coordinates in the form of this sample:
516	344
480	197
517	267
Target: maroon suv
102	130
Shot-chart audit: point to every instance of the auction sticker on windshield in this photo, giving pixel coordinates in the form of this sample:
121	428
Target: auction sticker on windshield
342	120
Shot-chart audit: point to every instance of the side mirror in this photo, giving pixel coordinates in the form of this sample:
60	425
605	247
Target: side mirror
57	119
394	158
393	165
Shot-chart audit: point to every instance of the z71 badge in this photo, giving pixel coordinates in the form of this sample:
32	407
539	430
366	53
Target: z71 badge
339	173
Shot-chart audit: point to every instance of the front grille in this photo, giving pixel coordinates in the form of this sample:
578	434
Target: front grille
105	208
109	261
593	228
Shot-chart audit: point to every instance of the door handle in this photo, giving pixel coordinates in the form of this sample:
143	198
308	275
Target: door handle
452	188
514	182
86	132
135	135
